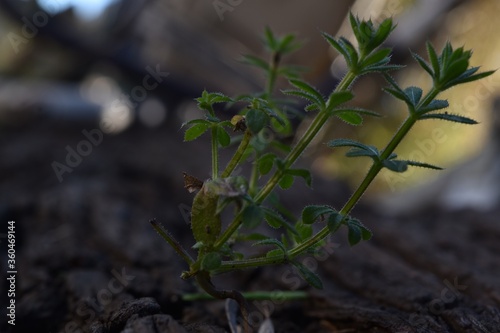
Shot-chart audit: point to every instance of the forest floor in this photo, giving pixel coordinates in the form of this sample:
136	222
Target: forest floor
89	261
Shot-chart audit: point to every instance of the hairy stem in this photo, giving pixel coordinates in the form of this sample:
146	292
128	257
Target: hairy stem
353	200
215	154
235	160
254	176
254	295
172	241
370	176
316	125
272	74
203	279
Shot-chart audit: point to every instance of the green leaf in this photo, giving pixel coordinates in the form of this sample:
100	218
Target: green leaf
398	94
357	231
355	26
252	216
219	98
450	117
454	70
272	241
287	45
354	234
211	261
360	111
196	130
402	165
265	163
303	173
468	78
256	120
255	61
356	152
222	136
334	222
196	121
344	47
270	40
381	56
384	30
312	107
304	95
423	64
237	256
308	275
376	68
334	43
366	234
198	245
395	165
414	94
338	98
396	90
433	57
311	213
275	253
352	55
275	220
423	165
350	117
313	92
291	71
303	230
207	99
436	104
286	181
251	237
370	150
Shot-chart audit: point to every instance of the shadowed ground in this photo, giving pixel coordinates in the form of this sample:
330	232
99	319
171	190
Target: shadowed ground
88	260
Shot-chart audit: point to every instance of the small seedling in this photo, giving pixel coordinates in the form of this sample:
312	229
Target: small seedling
258	131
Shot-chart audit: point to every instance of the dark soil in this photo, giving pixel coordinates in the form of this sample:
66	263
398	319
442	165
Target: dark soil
88	260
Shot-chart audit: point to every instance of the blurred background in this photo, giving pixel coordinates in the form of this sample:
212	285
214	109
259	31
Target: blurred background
140	63
93	95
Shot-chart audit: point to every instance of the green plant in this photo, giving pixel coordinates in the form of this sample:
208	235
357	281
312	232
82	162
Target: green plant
272	161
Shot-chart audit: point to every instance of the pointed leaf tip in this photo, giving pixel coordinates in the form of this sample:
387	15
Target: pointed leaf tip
311	213
308	275
450	117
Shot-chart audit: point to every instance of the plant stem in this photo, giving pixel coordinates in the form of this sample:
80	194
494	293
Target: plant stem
316	125
353	200
370	176
172	241
272	75
237	155
254	295
215	154
254	176
233	226
306	139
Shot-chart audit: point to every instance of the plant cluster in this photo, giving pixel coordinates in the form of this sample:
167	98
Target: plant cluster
272	161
